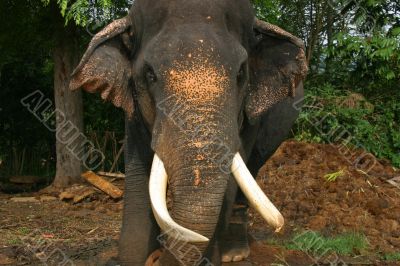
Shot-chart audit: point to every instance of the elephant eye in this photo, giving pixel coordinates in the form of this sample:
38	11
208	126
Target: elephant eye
129	43
149	74
241	77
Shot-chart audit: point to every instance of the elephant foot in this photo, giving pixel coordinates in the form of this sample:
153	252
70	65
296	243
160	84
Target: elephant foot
112	262
236	247
234	244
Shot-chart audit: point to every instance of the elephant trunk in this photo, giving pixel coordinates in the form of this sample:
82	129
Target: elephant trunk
198	165
198	209
198	174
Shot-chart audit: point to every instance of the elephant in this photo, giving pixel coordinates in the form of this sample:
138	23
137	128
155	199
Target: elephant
208	92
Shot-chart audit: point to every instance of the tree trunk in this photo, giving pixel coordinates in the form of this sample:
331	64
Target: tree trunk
69	105
316	19
329	33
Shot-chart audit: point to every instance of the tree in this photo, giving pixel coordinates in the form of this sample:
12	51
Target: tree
353	45
66	56
70	121
26	146
38	50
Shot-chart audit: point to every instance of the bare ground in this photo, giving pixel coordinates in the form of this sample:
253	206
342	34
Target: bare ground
48	231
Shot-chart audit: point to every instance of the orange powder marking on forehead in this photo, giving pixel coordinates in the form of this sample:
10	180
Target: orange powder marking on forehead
197	80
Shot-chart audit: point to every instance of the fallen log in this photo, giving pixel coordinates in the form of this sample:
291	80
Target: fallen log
102	184
85	193
66	195
109	174
24	200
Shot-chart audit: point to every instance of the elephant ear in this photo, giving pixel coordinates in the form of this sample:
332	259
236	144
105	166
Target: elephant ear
277	66
105	66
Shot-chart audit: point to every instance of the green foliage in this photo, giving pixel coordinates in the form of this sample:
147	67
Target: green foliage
85	12
29	32
267	10
392	256
373	15
290	15
315	243
102	116
105	128
336	116
362	56
368	62
333	176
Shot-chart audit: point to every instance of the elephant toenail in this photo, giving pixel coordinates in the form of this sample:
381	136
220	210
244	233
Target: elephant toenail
237	258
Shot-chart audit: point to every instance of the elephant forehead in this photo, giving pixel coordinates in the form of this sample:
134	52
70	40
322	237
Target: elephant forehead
197	80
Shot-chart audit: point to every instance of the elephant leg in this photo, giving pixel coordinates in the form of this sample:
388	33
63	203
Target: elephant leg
234	241
260	141
139	229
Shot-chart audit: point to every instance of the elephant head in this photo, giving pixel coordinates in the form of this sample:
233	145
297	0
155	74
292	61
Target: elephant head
198	73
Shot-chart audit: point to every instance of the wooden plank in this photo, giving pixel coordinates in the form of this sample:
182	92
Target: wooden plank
102	184
109	174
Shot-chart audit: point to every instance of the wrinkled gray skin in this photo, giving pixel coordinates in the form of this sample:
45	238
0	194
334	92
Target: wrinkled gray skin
199	81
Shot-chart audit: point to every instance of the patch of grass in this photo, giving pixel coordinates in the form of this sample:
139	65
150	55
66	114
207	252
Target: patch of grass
14	241
273	242
313	242
24	230
392	256
333	176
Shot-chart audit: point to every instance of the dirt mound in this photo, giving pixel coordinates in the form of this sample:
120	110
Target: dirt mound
354	101
316	187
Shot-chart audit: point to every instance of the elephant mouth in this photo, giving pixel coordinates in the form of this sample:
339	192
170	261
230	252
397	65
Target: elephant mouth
256	197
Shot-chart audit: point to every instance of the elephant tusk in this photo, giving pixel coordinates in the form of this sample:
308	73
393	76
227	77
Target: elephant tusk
255	195
158	193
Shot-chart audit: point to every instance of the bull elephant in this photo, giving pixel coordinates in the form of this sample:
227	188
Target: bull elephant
206	87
